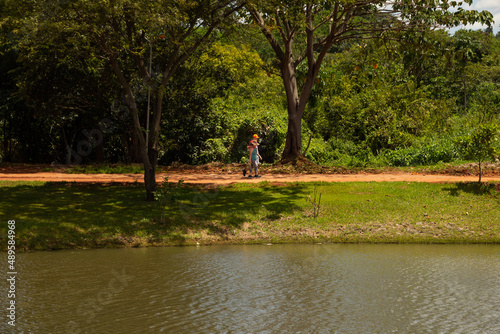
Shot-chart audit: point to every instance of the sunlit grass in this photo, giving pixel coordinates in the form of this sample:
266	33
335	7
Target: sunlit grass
69	215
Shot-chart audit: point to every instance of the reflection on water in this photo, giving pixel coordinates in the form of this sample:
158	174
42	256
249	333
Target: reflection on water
265	289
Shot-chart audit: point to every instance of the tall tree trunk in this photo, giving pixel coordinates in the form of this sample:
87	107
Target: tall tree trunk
150	174
148	154
153	146
293	143
296	105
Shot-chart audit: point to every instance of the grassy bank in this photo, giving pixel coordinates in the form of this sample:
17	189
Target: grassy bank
68	215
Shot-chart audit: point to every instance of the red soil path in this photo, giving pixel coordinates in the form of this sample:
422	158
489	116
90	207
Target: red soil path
40	173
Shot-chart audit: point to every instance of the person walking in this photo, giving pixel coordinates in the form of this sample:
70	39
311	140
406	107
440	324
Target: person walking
254	156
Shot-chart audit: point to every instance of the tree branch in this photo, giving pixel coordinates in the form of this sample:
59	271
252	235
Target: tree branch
280	27
267	33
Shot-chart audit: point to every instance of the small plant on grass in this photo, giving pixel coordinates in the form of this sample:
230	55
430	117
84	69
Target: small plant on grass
480	144
315	201
166	194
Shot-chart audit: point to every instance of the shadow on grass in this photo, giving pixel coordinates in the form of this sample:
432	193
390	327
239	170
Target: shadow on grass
68	215
71	215
474	188
223	209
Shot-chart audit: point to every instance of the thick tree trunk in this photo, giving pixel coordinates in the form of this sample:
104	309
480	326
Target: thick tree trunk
296	104
293	143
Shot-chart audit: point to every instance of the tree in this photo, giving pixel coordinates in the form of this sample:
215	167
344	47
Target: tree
125	33
305	31
71	91
480	144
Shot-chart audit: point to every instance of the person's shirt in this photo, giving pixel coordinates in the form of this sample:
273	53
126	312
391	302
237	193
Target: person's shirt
255	153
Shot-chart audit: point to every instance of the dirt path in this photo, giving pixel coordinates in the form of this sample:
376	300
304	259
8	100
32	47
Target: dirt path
207	178
227	174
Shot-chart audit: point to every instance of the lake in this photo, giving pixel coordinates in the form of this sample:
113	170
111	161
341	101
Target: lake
315	288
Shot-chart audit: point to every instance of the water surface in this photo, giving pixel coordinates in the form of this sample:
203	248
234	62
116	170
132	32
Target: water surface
261	289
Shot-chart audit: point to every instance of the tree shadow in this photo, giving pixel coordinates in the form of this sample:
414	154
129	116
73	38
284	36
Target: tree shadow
222	210
60	214
69	215
474	188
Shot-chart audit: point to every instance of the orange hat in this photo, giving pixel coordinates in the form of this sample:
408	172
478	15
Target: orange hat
255	136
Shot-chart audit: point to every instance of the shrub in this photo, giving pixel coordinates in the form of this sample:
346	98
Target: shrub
215	149
427	154
480	144
319	151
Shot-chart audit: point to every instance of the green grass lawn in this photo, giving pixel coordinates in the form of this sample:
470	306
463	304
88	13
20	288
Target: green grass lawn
69	215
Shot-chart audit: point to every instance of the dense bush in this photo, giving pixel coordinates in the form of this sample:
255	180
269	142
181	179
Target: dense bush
242	120
211	104
381	117
426	154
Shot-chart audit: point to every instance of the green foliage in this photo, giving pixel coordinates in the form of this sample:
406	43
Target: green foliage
367	100
245	118
485	105
424	154
226	97
238	63
373	101
480	144
339	152
320	152
370	107
215	149
254	105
